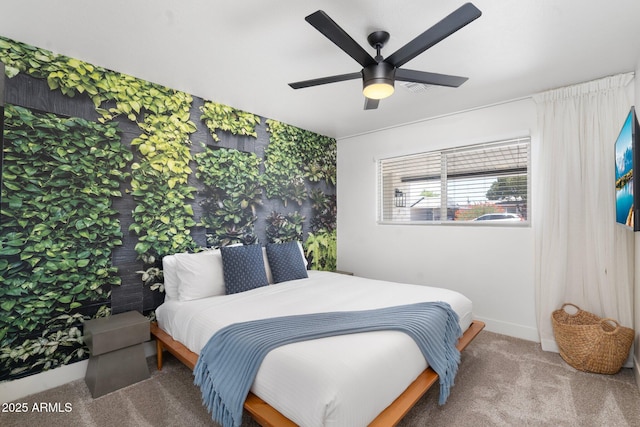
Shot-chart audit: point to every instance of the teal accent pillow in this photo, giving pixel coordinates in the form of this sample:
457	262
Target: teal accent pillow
243	268
285	261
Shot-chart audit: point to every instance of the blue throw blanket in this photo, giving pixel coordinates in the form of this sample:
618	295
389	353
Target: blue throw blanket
230	360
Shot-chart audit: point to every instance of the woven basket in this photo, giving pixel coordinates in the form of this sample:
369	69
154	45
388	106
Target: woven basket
590	343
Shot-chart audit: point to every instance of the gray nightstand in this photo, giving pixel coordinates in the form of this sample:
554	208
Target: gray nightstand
117	353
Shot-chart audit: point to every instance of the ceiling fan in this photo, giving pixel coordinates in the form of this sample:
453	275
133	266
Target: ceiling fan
379	74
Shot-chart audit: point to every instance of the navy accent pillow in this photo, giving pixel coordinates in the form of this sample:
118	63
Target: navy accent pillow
243	268
285	261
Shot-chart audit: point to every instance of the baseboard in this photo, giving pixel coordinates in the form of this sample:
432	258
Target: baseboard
636	371
17	389
510	329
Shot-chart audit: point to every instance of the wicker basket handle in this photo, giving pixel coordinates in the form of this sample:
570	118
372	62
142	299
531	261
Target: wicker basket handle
608	319
572	305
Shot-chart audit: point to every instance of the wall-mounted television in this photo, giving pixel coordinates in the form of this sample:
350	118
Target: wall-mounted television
627	159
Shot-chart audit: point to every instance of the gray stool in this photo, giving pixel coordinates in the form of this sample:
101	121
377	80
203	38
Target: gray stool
117	353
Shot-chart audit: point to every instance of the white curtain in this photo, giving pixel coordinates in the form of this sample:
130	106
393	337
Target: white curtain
582	256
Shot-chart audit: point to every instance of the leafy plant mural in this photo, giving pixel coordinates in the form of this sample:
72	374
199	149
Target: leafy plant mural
284	228
163	217
321	245
325	211
163	146
321	250
222	117
232	192
58	229
293	156
61	176
231	178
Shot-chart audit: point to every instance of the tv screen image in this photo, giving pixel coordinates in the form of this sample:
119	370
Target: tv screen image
626	159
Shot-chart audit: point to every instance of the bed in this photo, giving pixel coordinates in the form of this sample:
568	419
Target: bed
371	378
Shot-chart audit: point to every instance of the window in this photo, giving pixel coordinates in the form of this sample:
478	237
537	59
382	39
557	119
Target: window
479	184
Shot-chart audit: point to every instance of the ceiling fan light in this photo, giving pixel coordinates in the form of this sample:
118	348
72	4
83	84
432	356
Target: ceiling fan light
378	90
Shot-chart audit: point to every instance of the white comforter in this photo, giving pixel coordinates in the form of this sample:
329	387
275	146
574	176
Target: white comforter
337	381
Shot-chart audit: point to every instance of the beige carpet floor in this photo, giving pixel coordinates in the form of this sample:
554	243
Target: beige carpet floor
502	381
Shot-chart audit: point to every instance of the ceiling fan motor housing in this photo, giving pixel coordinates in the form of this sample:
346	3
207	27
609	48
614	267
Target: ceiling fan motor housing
380	73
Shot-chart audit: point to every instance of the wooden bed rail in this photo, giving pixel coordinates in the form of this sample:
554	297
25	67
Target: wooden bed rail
267	416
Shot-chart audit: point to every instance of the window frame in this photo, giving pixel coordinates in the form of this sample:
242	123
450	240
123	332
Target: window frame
444	179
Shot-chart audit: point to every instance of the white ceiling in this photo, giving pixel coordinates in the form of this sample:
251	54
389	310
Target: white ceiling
243	53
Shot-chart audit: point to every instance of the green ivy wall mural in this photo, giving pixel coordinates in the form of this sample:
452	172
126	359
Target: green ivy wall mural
103	174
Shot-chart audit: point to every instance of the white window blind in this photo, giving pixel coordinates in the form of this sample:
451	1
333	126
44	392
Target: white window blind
484	183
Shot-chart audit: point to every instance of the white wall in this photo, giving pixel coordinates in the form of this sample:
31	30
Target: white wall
493	266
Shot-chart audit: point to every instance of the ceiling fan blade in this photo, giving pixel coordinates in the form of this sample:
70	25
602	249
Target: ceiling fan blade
327	26
414	76
371	104
460	17
325	80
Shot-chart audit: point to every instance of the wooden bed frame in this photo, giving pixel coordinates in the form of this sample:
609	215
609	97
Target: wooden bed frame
267	416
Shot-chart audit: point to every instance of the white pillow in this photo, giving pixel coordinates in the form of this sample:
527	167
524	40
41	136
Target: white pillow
304	257
199	275
267	268
170	277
